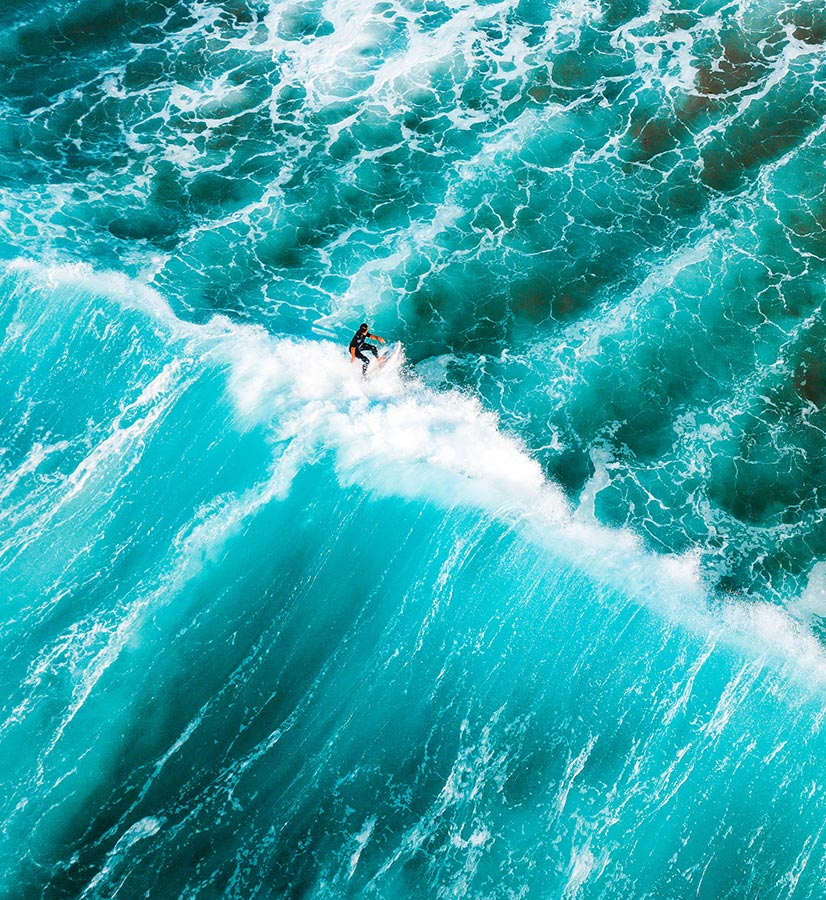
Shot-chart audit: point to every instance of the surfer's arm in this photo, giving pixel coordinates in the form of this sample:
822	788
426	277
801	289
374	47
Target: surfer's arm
376	337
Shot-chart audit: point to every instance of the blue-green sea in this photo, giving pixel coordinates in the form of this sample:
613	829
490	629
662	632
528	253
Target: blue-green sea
535	612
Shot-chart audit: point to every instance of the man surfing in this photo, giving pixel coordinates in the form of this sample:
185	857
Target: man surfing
359	344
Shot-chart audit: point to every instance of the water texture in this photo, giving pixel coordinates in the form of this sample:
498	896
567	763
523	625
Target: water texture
538	613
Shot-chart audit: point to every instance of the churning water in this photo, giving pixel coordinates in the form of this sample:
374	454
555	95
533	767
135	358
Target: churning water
541	613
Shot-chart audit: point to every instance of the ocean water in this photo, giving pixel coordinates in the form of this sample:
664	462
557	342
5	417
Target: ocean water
538	613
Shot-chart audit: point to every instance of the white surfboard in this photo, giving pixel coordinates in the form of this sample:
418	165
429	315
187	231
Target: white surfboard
389	360
393	354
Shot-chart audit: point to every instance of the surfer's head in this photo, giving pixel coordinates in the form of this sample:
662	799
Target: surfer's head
363	328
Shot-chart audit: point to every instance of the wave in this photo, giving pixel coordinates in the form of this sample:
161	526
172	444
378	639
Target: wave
272	627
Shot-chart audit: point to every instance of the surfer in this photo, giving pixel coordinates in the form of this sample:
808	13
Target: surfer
359	344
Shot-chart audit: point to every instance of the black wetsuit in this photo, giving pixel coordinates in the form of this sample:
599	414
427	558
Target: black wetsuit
358	344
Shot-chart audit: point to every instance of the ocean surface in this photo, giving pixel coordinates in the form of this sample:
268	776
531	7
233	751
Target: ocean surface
539	612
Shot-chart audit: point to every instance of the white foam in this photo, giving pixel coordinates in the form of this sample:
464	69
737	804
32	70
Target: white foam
811	604
115	286
390	433
395	437
361	840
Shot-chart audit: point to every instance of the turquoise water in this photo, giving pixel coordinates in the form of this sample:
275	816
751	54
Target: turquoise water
538	613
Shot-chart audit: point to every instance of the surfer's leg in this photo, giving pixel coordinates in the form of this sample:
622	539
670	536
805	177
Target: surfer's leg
372	349
365	362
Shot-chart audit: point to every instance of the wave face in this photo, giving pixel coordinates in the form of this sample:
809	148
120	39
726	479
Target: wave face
538	613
